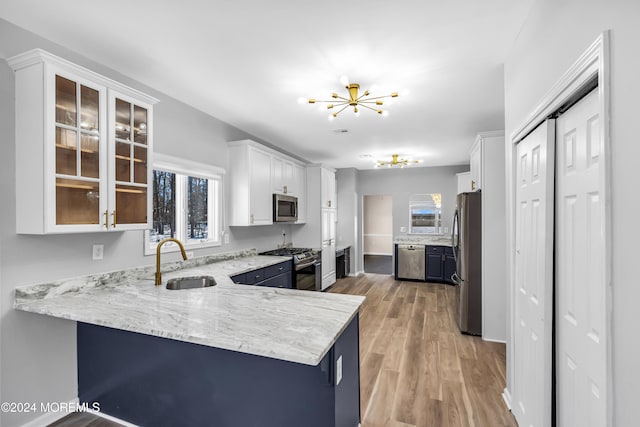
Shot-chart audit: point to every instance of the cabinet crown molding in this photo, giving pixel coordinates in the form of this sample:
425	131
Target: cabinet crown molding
38	56
255	144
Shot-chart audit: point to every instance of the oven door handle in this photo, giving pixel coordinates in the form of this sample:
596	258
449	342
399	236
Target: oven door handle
309	264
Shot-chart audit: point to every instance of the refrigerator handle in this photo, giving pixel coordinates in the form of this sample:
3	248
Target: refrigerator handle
454	244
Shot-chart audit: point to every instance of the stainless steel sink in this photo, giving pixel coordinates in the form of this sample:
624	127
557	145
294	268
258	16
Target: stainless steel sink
190	282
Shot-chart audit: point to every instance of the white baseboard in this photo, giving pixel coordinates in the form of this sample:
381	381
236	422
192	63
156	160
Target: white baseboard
50	417
493	340
506	396
114	419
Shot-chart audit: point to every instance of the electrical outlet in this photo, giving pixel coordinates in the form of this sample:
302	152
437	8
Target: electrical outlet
226	239
339	370
98	252
446	230
189	255
403	229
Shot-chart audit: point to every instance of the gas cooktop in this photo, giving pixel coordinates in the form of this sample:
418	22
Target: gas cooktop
287	251
299	255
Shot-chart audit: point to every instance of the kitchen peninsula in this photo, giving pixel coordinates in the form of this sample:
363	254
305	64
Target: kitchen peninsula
225	355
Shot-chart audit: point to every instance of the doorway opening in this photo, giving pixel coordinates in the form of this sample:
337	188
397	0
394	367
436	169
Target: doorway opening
377	213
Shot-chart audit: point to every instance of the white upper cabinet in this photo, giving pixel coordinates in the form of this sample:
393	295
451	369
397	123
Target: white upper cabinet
83	146
256	173
464	182
328	190
300	191
476	166
283	178
251	191
278	175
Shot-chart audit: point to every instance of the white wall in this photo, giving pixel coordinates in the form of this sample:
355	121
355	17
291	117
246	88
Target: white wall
38	353
494	253
401	183
552	38
377	225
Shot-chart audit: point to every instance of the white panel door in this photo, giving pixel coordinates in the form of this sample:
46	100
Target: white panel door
534	277
580	273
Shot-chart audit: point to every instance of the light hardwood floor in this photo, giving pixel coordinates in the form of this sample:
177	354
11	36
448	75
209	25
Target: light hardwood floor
416	368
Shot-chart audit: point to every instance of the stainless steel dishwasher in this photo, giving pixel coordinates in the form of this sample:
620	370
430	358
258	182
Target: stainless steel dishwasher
411	262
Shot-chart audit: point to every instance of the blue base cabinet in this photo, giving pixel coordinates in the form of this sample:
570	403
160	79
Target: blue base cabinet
440	264
449	265
153	381
434	263
276	276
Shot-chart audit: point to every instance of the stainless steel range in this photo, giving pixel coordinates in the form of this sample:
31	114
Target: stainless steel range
307	271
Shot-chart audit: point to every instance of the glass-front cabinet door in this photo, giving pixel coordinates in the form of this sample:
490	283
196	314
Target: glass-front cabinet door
130	142
83	148
79	145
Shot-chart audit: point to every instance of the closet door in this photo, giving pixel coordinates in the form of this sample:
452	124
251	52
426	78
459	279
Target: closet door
534	277
581	336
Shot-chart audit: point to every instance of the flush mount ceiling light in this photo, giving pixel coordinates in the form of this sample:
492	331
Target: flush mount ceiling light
355	100
396	162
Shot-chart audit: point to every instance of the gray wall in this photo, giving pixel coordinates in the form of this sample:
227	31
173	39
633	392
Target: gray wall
38	353
550	41
401	183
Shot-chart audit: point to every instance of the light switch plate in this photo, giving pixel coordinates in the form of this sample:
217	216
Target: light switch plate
98	252
339	370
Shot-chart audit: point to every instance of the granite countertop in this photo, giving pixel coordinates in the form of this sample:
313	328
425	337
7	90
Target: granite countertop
439	240
286	324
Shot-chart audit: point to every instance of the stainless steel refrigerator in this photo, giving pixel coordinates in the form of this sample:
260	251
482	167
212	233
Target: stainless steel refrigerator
466	232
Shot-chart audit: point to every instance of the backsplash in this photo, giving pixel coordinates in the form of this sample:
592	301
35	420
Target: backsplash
74	284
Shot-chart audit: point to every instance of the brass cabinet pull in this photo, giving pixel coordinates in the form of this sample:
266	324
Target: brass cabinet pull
106	219
473	185
114	219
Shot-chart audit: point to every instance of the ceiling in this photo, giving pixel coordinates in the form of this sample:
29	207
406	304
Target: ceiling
247	62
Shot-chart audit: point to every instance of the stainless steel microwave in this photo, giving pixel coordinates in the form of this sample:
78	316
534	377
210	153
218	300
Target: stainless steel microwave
285	208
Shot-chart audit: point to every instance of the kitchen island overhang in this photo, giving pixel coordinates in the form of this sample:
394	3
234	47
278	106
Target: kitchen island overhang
282	326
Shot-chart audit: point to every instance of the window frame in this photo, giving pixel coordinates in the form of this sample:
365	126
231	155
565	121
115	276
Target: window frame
417	200
183	169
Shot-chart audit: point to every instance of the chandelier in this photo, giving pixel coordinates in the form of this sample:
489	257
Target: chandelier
396	162
355	100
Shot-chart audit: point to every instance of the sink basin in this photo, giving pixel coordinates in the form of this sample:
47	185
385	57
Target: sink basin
190	282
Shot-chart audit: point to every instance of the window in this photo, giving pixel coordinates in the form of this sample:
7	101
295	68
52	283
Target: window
186	204
425	211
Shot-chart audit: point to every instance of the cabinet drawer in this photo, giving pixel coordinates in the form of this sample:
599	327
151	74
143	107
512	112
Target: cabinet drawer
255	276
280	281
274	270
435	249
239	278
